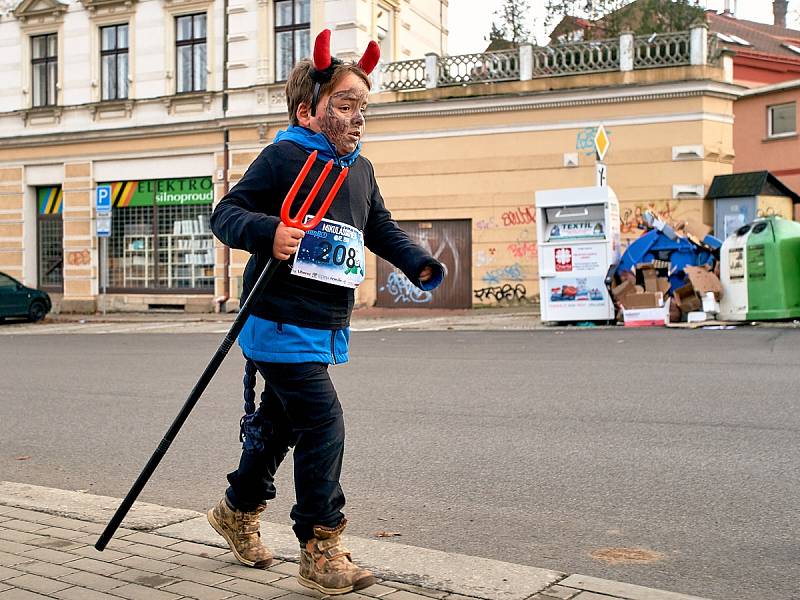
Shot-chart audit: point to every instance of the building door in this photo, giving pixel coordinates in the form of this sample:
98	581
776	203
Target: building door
50	238
450	242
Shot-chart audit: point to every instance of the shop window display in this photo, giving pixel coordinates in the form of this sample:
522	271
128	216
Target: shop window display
160	235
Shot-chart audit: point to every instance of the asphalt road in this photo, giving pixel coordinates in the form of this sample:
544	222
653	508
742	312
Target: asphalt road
536	447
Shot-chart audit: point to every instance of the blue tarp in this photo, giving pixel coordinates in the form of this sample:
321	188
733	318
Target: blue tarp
678	252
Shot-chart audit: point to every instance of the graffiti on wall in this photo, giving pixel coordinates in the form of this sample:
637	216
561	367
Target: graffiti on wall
79	257
485	224
523	215
523	250
584	140
484	257
403	291
632	219
769	211
506	293
512	272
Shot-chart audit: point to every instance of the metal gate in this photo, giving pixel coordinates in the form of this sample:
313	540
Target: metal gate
450	242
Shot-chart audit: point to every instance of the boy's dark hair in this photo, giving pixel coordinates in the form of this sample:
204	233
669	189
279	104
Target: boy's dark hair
300	85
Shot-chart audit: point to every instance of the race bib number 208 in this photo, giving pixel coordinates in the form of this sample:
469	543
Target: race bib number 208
332	252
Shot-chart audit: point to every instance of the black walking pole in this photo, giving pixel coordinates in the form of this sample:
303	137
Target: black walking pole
230	337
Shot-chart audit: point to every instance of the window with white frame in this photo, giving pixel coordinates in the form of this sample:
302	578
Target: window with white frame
191	53
384	23
782	119
114	61
292	35
44	69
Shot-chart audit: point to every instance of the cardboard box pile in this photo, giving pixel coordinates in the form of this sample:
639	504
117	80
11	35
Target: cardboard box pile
646	302
699	298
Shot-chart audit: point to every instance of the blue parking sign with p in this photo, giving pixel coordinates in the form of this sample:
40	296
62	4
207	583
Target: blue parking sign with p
102	202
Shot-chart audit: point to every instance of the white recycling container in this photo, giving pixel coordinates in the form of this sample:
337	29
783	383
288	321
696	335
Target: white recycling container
733	304
578	234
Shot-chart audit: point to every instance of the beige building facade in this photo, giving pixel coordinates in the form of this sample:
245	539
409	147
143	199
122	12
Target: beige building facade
460	145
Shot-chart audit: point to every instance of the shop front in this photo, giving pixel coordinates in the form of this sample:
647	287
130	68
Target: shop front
160	238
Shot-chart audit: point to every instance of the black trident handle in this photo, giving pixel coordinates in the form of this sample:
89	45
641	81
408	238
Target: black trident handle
194	396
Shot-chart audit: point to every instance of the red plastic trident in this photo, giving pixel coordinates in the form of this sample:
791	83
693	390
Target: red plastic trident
297	221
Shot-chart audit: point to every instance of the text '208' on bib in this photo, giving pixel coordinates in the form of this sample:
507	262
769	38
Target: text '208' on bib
332	252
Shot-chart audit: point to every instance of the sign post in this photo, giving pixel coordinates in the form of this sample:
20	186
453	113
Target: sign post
601	145
102	206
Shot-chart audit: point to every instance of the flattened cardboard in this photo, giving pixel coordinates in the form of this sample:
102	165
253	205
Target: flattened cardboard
696	231
646	300
703	281
623	289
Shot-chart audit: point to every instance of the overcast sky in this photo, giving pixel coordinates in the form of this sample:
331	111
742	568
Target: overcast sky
469	21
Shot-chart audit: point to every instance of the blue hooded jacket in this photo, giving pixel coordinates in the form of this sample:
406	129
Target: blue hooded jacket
266	341
295	319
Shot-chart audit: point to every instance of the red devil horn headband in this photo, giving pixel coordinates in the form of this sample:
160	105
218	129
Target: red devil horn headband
323	60
324	63
322	50
371	57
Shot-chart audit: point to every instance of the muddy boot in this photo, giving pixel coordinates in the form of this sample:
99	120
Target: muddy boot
240	530
325	564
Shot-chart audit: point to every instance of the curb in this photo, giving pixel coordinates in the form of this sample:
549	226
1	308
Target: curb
432	569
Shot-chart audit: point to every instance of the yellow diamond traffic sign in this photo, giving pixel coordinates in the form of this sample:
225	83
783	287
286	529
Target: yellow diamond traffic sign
601	142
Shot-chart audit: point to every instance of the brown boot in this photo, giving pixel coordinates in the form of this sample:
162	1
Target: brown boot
240	530
325	564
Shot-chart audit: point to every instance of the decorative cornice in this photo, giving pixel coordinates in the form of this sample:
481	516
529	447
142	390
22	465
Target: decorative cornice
490	104
111	109
40	11
174	5
273	95
108	7
190	102
45	115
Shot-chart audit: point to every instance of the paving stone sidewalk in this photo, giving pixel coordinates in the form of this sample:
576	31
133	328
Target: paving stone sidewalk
48	556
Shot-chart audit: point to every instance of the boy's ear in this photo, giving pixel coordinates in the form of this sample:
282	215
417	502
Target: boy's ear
303	114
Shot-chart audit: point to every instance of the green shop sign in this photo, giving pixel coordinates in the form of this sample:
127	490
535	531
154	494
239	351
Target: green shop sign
163	192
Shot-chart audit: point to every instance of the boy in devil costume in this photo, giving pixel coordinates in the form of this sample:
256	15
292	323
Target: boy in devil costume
300	324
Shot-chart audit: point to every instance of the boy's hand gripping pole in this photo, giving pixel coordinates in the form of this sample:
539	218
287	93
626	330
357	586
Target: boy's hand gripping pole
233	333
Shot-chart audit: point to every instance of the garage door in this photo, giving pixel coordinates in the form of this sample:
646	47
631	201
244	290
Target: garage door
450	242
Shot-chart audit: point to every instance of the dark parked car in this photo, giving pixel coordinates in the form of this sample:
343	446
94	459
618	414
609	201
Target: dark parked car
17	300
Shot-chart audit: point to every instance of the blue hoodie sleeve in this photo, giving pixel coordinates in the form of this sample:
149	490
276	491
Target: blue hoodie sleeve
384	237
239	220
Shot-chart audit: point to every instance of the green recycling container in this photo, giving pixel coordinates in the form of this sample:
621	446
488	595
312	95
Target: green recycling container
773	270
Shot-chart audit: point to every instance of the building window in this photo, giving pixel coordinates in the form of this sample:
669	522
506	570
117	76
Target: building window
191	53
50	238
45	69
114	61
782	120
292	35
160	236
385	33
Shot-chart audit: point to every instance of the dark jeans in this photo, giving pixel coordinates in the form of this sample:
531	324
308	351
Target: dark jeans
299	408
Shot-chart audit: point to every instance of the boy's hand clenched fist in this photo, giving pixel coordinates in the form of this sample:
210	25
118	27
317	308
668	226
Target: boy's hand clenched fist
286	241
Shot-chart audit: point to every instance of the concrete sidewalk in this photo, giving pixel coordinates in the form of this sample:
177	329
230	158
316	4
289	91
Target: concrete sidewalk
47	539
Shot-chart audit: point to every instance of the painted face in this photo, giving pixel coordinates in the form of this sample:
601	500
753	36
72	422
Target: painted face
340	116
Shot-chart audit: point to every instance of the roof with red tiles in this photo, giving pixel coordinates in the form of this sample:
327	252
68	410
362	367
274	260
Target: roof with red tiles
763	39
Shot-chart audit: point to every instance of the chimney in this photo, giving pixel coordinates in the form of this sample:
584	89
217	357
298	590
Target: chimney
779	12
730	8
